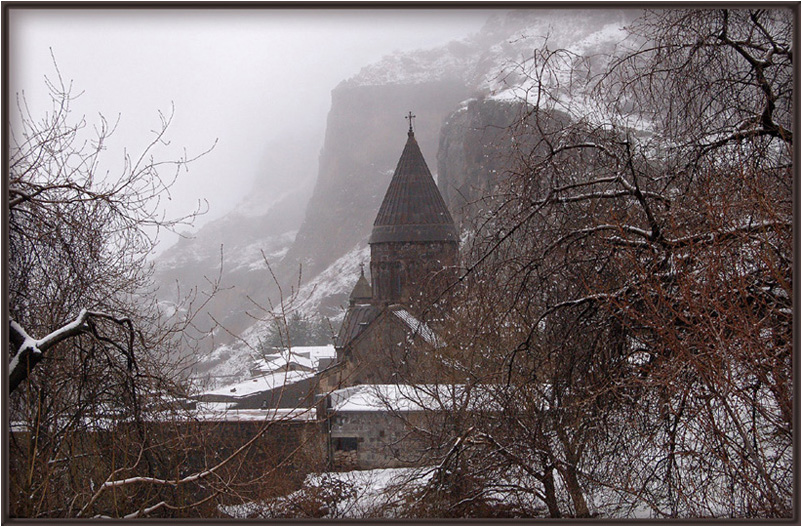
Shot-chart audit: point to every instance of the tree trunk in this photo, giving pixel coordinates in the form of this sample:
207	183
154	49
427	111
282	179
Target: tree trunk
568	473
551	495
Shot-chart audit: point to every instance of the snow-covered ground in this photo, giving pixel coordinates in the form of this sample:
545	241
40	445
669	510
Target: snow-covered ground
338	278
354	494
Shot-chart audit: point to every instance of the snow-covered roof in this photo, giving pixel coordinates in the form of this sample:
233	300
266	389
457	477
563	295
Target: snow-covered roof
261	384
395	397
272	363
226	411
418	327
317	352
217	412
307	357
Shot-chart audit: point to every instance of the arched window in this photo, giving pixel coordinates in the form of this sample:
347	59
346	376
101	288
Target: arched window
397	271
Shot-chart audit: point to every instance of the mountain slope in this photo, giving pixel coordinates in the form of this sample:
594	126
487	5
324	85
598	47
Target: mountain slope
465	94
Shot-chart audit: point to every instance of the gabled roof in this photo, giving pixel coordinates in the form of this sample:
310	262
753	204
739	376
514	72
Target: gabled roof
259	384
417	327
415	398
413	209
299	357
362	290
357	318
361	317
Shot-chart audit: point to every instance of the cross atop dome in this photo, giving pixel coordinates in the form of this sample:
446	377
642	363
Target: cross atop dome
410	117
413	209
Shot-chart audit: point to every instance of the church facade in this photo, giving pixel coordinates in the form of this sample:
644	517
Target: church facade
414	251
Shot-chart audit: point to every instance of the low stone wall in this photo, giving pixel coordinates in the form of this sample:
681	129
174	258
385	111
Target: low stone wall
374	439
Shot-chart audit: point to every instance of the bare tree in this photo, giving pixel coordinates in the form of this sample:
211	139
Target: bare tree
629	293
88	344
79	234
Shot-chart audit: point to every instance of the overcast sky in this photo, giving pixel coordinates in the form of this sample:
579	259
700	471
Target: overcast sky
243	77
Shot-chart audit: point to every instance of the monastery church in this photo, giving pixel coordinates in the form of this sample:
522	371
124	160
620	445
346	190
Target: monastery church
413	255
360	399
414	252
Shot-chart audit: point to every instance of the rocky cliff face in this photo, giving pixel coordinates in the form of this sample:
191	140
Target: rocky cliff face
465	96
233	248
474	152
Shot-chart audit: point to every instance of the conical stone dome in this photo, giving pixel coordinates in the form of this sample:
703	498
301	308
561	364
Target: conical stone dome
362	291
413	209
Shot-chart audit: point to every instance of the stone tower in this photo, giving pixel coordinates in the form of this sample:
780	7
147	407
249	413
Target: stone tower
414	237
362	293
413	252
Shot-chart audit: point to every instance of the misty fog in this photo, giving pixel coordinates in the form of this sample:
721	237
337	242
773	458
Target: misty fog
257	82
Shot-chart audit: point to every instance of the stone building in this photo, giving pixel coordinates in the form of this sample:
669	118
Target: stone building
414	252
370	425
414	240
367	395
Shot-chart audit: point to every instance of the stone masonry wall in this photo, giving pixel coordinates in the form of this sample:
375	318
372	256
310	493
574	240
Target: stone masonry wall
402	271
383	440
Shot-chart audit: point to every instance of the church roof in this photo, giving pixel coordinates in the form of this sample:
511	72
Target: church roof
362	289
418	327
357	318
413	209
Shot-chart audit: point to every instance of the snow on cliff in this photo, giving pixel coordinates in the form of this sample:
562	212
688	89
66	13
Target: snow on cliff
231	362
338	279
494	59
451	61
496	63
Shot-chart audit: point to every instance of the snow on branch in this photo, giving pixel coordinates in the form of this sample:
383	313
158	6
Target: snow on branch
604	228
713	236
587	145
30	351
628	192
598	297
598	181
111	483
